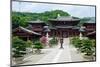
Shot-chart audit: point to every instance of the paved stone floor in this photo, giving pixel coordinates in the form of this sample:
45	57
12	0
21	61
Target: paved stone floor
56	55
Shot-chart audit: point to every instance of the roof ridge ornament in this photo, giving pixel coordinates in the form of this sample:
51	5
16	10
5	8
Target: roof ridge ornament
58	15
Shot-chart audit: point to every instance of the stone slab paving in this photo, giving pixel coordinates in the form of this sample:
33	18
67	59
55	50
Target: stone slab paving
65	55
56	55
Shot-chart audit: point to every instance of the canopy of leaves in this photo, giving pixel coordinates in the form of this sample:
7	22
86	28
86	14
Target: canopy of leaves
21	18
38	45
18	46
29	43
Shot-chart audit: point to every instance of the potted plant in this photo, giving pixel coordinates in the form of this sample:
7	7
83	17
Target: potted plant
18	48
87	49
38	46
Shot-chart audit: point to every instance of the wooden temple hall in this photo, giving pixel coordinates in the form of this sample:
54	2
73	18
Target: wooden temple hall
62	26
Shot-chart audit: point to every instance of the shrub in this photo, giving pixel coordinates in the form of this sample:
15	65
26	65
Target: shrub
94	46
76	42
18	46
73	40
87	47
29	43
53	41
93	42
38	45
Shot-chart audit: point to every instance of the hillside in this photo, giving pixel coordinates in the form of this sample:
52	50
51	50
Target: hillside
21	18
87	20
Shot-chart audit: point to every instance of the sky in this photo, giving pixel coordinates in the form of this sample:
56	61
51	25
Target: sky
73	10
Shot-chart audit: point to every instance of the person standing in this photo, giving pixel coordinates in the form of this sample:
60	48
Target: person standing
61	42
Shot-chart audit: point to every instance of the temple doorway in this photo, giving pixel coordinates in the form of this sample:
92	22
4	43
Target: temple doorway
65	34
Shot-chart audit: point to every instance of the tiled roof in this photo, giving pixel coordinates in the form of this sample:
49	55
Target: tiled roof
37	21
92	33
64	26
65	18
27	30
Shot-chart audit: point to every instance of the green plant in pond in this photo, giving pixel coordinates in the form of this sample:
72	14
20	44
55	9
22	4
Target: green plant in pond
18	47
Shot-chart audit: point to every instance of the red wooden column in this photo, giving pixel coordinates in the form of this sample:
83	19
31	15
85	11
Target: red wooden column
27	38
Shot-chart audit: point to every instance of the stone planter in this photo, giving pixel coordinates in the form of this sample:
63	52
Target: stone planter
38	51
90	58
19	60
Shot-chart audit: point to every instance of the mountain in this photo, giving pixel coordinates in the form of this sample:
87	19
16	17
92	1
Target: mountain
42	16
88	19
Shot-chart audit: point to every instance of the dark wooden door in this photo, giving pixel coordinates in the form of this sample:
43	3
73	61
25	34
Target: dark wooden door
65	34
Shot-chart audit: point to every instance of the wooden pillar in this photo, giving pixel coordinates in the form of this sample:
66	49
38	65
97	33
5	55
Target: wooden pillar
27	38
61	33
57	33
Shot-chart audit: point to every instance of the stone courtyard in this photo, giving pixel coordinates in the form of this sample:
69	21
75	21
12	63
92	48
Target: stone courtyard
55	55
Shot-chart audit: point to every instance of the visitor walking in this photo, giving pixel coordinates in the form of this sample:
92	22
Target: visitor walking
61	42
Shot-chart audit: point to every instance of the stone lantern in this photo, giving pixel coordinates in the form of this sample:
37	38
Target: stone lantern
46	30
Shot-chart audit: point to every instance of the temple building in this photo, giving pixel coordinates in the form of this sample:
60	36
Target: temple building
25	33
89	27
92	35
36	26
64	26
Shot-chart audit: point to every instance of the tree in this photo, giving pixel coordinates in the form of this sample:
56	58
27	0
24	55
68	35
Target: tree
18	47
87	47
21	18
17	20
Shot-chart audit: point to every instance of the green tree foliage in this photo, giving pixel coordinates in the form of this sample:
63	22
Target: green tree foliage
21	18
38	45
29	44
18	20
85	46
18	47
